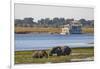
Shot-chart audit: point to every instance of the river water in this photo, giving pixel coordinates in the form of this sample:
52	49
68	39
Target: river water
44	41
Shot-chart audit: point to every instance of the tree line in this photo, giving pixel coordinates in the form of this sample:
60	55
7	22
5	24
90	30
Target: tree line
47	22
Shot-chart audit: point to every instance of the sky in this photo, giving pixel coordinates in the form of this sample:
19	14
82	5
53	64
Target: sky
43	11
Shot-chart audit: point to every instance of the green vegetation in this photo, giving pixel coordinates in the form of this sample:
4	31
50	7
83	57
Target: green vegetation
25	57
56	22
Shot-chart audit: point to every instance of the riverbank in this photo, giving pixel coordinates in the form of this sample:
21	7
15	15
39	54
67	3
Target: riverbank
77	55
26	30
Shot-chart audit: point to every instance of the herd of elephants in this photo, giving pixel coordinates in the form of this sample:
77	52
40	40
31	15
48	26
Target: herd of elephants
59	51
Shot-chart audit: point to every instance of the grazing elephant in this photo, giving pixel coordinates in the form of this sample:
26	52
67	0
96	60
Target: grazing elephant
60	51
40	54
66	50
56	50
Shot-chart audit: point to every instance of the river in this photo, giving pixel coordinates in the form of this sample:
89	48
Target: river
44	41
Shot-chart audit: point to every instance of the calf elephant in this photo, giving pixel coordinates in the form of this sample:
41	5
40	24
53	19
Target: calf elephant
40	54
60	51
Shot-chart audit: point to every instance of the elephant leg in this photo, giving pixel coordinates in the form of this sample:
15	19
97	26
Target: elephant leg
59	54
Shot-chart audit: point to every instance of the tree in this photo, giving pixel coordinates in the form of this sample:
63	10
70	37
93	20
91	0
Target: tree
28	20
55	22
18	22
61	21
83	22
68	21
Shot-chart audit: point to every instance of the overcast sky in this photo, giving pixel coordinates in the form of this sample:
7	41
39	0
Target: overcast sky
41	11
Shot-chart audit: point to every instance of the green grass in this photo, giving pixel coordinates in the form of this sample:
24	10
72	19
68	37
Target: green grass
25	57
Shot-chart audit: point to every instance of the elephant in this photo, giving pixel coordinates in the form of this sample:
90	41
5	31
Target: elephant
60	51
40	54
56	50
66	50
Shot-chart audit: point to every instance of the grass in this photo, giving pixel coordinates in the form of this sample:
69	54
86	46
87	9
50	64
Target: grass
49	30
87	30
36	29
25	57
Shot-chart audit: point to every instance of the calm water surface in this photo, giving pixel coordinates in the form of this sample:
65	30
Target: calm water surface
44	41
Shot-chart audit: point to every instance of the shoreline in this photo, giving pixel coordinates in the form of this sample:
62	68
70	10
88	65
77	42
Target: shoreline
51	47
